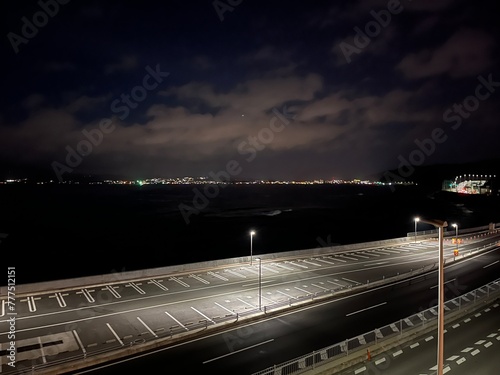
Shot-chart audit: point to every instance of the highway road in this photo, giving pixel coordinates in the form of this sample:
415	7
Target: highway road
471	346
254	347
59	325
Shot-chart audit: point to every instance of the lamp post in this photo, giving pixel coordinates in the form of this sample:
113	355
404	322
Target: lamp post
417	219
456	236
260	283
251	246
440	351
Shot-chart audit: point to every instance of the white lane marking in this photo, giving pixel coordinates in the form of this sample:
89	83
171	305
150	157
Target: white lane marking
218	276
395	354
467	320
288	295
490	336
175	320
136	287
115	334
489	265
199	279
361	256
112	291
173	278
375	264
298	265
203	315
435	286
225	308
359	370
323	260
86	293
236	273
245	302
319	286
282	266
475	352
309	262
414	345
339	260
460	361
270	269
31	302
351	281
446	369
488	344
303	290
79	341
477	315
348	257
60	298
147	327
467	350
452	358
380	361
333	282
158	284
427	339
41	350
368	308
455	326
372	253
238	351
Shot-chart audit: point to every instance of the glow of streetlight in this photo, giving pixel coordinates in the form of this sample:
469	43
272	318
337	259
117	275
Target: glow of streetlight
417	219
252	233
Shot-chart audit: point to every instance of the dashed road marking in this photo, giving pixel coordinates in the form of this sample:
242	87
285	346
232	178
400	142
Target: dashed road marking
199	279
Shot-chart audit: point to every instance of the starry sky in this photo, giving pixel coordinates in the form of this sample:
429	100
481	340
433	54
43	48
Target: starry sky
255	89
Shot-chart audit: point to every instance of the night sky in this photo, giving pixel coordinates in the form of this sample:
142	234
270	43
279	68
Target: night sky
259	89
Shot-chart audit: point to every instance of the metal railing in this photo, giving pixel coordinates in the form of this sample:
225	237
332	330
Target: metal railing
291	367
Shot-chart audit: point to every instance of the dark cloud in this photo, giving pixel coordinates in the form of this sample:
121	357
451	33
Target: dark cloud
91	68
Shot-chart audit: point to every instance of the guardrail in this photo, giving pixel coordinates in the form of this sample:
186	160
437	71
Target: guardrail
362	342
135	345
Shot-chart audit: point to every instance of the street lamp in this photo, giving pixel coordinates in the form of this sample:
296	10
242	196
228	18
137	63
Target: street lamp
260	283
440	351
417	219
251	245
456	237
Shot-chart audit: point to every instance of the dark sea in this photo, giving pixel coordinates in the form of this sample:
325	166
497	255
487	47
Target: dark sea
62	231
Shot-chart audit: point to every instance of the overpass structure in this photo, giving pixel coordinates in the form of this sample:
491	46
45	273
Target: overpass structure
63	326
